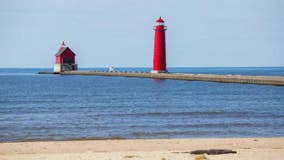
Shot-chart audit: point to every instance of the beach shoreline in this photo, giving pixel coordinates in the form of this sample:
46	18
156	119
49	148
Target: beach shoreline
246	148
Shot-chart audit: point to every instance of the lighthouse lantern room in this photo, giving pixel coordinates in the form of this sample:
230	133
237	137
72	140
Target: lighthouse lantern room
64	59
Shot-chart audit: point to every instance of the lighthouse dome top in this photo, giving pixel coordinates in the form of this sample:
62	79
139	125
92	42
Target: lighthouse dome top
160	20
62	46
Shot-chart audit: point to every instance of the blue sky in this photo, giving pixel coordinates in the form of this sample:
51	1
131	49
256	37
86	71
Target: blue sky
201	33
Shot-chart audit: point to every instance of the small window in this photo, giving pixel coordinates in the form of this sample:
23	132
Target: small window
68	61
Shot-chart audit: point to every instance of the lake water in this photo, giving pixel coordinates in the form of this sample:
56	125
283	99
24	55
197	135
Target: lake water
55	107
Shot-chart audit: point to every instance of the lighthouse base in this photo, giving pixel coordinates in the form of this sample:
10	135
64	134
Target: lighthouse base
64	67
159	71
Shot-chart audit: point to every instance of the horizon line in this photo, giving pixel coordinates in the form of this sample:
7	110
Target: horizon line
150	67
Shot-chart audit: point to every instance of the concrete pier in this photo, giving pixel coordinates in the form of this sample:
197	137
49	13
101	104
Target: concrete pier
264	80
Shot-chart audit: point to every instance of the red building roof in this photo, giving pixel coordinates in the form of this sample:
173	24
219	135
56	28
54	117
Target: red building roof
64	50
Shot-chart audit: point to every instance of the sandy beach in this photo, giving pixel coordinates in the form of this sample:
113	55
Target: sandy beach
159	149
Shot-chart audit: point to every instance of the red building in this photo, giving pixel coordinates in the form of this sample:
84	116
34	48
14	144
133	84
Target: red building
159	57
65	59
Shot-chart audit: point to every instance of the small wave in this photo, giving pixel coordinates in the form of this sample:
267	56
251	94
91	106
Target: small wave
181	113
189	133
199	113
204	125
17	74
97	138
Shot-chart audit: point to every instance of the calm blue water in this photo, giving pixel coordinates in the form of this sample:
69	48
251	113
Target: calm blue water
55	107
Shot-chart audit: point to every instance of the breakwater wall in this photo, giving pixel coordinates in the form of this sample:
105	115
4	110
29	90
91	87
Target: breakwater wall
264	80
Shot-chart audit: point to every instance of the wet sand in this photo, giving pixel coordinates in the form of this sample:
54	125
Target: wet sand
158	149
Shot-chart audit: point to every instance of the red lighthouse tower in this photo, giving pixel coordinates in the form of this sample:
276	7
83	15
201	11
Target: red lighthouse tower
159	58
